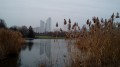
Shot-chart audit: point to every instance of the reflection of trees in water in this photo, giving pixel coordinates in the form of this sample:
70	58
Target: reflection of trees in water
45	51
28	45
24	47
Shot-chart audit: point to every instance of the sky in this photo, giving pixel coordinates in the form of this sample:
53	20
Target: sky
30	12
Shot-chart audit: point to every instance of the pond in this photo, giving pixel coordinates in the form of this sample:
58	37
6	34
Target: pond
43	53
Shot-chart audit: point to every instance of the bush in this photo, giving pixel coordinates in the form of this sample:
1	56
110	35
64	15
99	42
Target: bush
101	41
10	42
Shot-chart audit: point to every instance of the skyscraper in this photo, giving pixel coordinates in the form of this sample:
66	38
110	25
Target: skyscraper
48	25
42	26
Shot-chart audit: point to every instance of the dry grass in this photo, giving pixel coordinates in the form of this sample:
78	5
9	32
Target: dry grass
101	40
10	42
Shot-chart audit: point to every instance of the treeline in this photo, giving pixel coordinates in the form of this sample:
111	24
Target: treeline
26	32
53	34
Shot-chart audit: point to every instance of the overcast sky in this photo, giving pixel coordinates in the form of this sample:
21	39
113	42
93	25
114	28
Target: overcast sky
30	12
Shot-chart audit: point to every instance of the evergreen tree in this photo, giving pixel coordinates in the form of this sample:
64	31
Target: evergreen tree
2	24
24	31
31	32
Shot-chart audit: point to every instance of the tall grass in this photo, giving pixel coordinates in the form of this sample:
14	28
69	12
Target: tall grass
10	42
101	41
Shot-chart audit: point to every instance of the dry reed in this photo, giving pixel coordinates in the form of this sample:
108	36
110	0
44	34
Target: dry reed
10	42
101	41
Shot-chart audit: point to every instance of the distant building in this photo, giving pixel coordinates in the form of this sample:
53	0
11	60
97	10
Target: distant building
48	25
42	26
36	29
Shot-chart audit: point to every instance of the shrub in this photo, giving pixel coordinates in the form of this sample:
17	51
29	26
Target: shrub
10	42
101	41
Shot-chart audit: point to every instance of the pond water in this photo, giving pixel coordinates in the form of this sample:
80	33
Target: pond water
42	53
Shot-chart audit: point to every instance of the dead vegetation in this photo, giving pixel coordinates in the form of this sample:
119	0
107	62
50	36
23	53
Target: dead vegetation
10	42
100	39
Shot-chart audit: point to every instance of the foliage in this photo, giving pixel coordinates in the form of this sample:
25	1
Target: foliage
2	24
100	40
31	32
14	28
10	42
24	31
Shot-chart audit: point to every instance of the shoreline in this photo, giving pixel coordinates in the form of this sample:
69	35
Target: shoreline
44	37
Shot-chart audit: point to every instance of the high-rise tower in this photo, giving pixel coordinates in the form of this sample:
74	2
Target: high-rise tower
48	25
42	26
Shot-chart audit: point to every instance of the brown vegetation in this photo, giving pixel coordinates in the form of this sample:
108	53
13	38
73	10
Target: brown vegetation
101	41
10	42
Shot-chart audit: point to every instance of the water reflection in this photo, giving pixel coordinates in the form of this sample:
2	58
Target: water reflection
28	45
45	52
42	53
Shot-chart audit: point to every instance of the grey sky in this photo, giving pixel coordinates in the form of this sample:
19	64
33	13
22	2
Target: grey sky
30	12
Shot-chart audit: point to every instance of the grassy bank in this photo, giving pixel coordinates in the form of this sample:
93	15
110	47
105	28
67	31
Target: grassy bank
48	37
10	42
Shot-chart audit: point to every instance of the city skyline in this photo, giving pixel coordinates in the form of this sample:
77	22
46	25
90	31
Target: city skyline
44	26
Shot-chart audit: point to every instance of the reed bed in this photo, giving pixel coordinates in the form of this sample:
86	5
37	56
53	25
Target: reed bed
10	42
100	39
